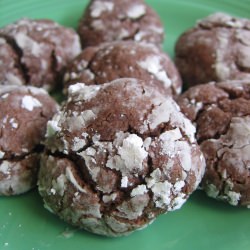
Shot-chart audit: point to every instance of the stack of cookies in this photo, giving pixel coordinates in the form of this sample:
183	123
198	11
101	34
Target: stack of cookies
120	151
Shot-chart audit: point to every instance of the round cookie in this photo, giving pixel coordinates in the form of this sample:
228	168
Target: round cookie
216	49
117	156
35	52
24	112
109	61
108	21
221	113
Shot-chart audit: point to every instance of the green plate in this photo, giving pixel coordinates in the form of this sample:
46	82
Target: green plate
201	223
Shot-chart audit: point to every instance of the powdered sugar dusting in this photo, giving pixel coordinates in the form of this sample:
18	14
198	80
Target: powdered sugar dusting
2	41
108	198
72	179
25	42
168	111
221	67
53	126
153	65
238	134
140	35
136	11
234	198
222	19
161	192
124	182
77	122
13	79
2	154
130	155
4	96
132	151
183	150
36	91
89	157
173	135
5	167
13	178
78	143
80	91
98	7
30	102
139	190
179	201
13	123
58	185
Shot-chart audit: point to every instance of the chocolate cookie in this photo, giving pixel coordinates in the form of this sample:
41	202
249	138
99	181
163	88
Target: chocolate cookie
24	112
118	155
216	49
109	20
35	51
107	62
221	113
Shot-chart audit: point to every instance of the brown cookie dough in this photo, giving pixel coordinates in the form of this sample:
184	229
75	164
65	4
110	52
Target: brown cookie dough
10	70
221	113
24	112
216	49
109	20
34	52
118	155
109	61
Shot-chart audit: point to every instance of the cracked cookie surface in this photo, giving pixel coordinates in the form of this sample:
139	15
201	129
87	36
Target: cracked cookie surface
109	61
118	155
24	112
34	52
216	49
221	114
108	21
10	70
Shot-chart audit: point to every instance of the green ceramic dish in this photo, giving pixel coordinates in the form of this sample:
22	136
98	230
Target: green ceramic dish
202	223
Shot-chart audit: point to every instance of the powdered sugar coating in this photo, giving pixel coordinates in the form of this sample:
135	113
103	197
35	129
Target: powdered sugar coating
136	11
17	177
100	6
216	49
223	132
152	65
29	103
131	172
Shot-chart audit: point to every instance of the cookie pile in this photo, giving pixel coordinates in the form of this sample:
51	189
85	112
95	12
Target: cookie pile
120	151
219	47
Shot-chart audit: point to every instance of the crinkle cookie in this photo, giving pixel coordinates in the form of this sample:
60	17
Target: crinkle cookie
24	112
216	49
109	61
221	113
34	52
109	20
117	156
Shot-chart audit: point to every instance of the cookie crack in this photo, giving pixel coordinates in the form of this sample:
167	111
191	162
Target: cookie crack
38	149
24	69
